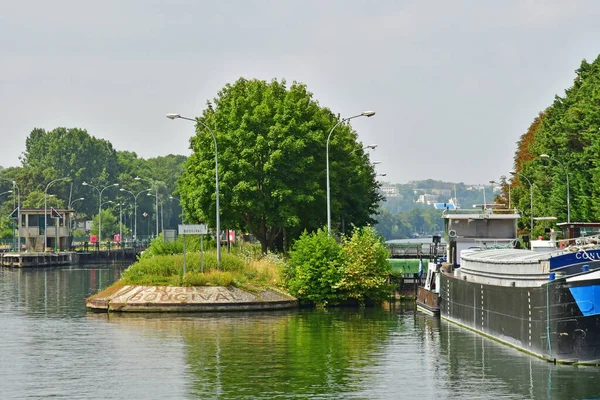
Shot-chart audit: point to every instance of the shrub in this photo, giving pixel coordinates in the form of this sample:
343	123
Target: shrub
192	244
365	268
313	269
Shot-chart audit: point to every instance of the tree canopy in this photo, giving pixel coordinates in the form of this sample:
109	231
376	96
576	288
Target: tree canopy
74	154
272	156
569	132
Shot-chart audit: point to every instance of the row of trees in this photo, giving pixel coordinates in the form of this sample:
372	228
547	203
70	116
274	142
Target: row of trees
271	154
569	132
74	154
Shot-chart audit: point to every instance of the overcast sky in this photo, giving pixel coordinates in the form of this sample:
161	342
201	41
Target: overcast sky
454	83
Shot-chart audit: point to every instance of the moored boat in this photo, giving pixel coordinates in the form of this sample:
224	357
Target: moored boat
544	303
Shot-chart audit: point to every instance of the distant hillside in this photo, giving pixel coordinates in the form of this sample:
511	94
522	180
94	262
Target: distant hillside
421	194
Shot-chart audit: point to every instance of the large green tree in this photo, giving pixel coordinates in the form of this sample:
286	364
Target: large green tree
569	132
271	147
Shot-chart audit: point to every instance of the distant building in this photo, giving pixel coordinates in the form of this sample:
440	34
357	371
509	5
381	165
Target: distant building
427	198
55	230
390	191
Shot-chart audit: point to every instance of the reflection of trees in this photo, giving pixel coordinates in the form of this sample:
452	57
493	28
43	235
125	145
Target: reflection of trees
275	353
57	290
476	364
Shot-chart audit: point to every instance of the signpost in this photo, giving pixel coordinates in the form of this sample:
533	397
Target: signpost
199	229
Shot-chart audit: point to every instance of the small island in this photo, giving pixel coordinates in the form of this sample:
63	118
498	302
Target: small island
156	283
318	271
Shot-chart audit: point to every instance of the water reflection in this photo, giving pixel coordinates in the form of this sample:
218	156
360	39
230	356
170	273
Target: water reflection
56	291
480	365
51	346
303	353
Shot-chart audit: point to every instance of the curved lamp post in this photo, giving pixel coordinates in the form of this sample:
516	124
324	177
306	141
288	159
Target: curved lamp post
46	210
567	175
14	183
161	216
363	114
137	178
79	199
100	191
218	223
135	208
513	172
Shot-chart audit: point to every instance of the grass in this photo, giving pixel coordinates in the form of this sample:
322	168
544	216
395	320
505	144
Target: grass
244	269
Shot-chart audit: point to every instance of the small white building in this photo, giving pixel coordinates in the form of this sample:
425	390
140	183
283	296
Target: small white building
55	230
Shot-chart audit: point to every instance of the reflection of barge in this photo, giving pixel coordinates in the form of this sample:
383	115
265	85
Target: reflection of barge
546	304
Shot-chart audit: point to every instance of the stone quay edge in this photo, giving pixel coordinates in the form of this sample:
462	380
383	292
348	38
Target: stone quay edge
130	298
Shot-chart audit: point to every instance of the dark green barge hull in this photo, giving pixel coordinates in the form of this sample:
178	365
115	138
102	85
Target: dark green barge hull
545	321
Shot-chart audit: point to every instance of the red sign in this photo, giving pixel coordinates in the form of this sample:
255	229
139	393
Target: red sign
117	238
231	235
93	239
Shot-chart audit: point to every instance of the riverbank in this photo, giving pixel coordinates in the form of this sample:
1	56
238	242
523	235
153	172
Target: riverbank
132	298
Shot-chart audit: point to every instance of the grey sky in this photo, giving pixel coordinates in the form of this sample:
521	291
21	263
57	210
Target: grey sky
454	83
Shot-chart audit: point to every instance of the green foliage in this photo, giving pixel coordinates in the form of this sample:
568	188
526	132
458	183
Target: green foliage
110	225
192	244
73	153
167	270
322	272
568	131
271	147
365	268
314	268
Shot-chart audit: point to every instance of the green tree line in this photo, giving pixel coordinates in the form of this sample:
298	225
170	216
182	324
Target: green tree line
568	132
58	162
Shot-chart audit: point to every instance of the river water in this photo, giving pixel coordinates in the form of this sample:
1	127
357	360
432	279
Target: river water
50	346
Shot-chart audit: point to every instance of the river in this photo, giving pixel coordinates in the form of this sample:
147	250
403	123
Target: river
50	346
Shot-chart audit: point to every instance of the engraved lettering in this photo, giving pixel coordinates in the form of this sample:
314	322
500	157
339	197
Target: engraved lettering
136	297
221	296
151	297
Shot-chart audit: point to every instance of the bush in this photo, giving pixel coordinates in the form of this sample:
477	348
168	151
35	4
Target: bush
365	267
167	270
322	272
192	244
313	269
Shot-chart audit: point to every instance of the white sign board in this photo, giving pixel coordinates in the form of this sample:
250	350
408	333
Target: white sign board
200	229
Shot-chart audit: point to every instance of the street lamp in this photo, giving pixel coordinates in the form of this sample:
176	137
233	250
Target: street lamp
71	203
100	191
14	183
161	217
567	175
218	223
363	114
367	147
137	178
484	202
72	221
135	207
46	210
513	172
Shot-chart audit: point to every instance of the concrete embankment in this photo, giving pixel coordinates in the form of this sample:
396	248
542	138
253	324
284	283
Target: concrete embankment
187	299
